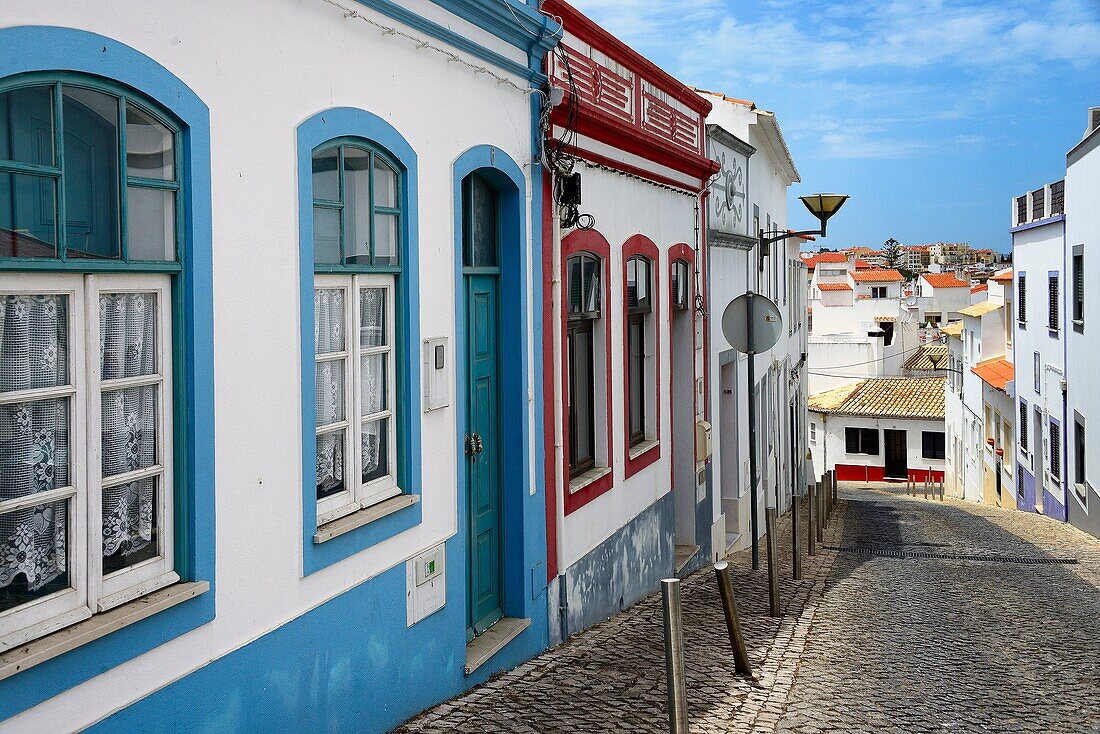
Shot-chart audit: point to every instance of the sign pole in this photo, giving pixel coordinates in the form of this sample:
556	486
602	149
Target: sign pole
754	503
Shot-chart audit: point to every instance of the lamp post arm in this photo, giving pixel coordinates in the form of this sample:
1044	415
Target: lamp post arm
768	239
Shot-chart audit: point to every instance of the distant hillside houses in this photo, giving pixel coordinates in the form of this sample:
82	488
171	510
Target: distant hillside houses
936	257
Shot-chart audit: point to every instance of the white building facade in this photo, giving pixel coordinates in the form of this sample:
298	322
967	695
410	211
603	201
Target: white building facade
253	299
757	172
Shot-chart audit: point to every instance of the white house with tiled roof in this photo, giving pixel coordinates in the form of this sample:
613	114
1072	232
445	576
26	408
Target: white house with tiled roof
887	428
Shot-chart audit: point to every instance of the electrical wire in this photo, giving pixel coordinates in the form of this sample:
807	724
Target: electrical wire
450	55
872	361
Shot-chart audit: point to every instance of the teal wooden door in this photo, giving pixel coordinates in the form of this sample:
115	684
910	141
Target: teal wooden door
483	454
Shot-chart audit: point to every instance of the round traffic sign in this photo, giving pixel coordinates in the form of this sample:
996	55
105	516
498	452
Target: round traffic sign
766	328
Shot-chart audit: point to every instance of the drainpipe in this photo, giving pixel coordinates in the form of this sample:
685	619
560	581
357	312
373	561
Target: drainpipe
559	408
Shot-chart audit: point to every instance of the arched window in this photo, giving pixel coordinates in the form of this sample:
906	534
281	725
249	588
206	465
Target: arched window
680	285
91	208
584	288
357	235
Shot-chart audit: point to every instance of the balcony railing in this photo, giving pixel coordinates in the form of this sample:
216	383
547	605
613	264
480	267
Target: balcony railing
1049	201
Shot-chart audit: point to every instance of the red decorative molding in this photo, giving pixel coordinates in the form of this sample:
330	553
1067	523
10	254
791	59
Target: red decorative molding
639	244
626	101
595	243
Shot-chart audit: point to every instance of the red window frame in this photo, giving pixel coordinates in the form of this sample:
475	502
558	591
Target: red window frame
641	245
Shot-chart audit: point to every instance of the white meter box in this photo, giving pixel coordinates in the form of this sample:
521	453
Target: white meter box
426	584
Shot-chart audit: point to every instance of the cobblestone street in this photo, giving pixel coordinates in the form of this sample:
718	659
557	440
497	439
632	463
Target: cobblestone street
869	641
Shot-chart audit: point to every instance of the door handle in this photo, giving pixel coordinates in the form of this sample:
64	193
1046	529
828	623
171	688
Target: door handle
474	444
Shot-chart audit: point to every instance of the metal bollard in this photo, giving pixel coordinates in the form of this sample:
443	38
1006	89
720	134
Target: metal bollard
773	562
796	541
941	490
674	656
926	486
836	489
811	523
733	621
820	510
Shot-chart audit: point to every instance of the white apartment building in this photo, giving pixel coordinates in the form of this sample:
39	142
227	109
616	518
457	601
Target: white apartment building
1038	249
757	171
1083	261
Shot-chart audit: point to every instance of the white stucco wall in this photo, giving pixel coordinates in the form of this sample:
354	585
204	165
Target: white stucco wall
1037	251
829	449
263	67
1083	228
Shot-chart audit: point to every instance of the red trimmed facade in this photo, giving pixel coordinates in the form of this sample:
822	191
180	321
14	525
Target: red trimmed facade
632	118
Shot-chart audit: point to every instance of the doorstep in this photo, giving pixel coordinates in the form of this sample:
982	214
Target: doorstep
482	648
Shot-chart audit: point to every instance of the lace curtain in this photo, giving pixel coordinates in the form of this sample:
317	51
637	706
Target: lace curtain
34	438
329	336
372	333
127	340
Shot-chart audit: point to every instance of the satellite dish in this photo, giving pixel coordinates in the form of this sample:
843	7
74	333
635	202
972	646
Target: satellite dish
767	323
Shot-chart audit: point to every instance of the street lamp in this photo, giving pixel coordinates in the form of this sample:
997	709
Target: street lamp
822	206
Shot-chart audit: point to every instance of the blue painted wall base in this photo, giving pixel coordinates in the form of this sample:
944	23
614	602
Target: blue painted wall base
618	573
349	665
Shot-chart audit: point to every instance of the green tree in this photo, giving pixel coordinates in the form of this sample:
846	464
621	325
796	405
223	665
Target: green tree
891	251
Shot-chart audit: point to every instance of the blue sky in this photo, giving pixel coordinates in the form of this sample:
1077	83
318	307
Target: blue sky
931	114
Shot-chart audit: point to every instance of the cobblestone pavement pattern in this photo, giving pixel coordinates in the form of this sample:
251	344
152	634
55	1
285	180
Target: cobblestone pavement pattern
866	643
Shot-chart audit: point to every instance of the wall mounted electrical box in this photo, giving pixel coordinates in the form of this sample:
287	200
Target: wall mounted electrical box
702	441
426	584
437	385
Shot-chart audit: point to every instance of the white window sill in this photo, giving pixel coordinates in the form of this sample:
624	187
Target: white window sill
641	448
58	643
356	520
577	483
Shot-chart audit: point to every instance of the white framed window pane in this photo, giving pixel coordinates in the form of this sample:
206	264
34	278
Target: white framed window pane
34	553
326	236
129	524
385	185
372	373
326	175
128	424
34	342
357	178
149	146
34	447
372	318
385	239
26	125
375	439
150	223
330	464
127	334
328	320
329	395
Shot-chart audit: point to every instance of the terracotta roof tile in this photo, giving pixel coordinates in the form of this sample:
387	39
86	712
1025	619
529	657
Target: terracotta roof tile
981	309
922	358
1005	276
920	398
981	288
878	276
996	373
833	287
944	280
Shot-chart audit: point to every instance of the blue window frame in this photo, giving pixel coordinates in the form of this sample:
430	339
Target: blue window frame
360	313
106	185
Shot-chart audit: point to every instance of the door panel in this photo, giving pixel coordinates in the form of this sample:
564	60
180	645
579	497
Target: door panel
896	459
483	459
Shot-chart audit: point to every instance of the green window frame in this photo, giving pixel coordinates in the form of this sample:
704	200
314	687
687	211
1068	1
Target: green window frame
375	159
128	127
356	265
126	101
